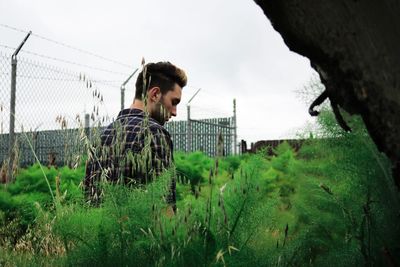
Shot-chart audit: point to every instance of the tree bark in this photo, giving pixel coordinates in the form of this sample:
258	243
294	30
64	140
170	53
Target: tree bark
354	45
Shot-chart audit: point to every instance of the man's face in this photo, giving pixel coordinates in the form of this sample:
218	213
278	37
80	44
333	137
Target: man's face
166	106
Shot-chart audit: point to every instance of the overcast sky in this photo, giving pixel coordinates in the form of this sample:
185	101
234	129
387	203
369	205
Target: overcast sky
227	48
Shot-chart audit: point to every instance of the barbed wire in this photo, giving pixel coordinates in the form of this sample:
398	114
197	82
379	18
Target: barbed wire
6	46
74	76
66	61
46	78
67	46
206	110
73	63
48	67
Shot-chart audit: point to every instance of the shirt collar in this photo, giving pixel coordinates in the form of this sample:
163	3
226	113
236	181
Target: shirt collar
134	112
129	112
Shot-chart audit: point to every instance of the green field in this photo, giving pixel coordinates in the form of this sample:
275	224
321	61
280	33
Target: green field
332	203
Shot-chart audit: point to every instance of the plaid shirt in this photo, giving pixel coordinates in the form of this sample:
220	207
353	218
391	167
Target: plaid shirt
134	150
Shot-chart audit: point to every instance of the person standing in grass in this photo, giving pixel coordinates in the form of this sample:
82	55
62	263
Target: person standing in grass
136	148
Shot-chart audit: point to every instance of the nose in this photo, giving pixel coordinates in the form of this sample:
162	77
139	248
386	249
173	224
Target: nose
173	111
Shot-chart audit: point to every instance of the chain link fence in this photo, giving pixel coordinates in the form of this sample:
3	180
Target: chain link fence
49	97
205	135
53	108
5	83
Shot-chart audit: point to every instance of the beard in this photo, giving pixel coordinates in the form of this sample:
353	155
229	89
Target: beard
160	114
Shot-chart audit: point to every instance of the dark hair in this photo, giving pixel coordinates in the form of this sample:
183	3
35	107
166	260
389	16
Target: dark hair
161	74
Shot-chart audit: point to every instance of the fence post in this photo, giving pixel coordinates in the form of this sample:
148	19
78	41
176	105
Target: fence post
11	144
122	97
123	89
220	144
87	126
235	128
189	124
188	131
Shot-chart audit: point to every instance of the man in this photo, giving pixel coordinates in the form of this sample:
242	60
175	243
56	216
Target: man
136	147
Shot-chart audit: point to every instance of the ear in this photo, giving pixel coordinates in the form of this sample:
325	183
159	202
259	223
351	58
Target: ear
154	94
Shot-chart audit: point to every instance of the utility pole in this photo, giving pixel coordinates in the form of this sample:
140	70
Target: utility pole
235	126
11	144
123	89
189	125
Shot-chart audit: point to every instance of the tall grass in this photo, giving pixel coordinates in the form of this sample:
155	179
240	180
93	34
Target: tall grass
330	204
333	203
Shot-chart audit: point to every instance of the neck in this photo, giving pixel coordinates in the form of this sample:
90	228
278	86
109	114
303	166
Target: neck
138	104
